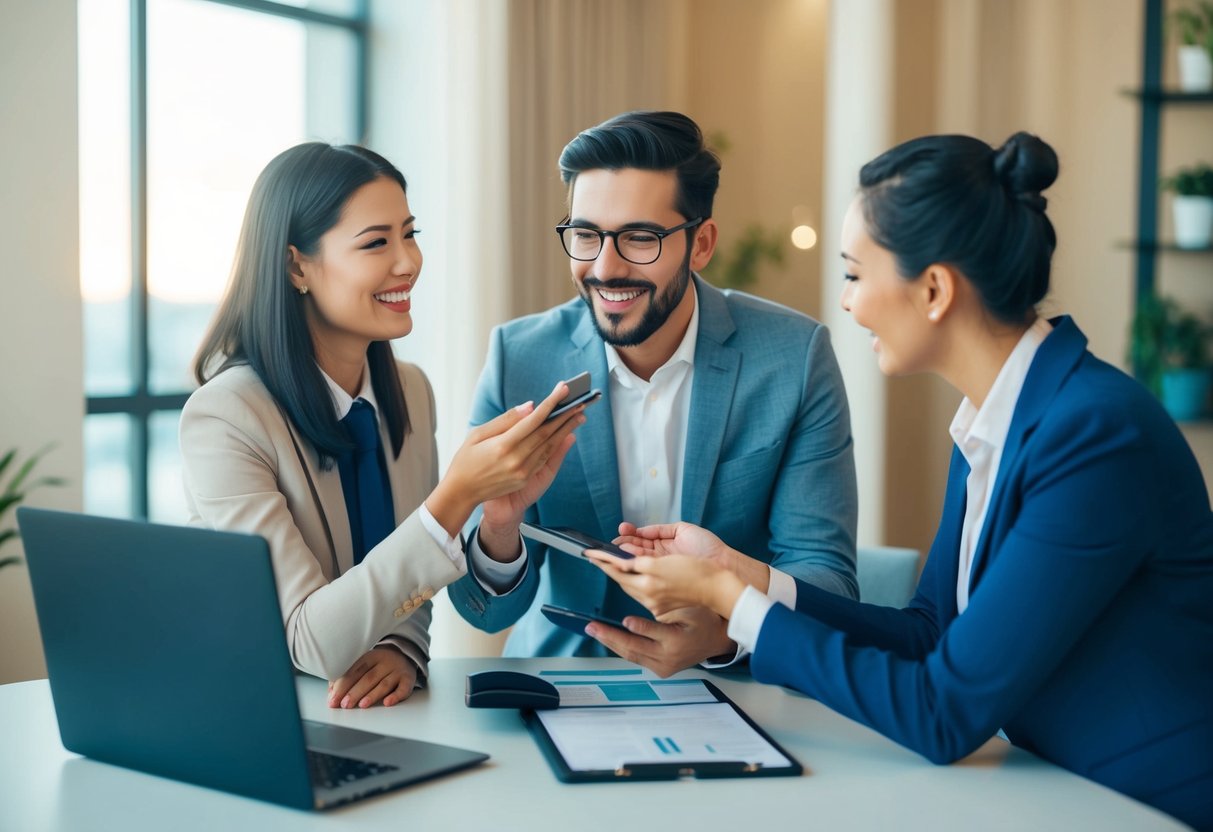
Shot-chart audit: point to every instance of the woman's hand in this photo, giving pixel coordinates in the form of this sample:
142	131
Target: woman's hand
687	539
673	581
515	455
382	674
671	538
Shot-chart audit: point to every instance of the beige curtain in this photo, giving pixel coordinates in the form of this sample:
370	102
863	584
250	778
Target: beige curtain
572	64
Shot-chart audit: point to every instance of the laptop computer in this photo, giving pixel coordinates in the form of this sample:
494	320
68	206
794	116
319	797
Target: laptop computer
166	653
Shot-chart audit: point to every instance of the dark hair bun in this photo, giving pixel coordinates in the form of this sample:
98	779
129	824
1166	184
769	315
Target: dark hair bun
1025	166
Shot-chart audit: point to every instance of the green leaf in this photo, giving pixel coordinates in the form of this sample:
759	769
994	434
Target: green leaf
6	535
9	562
8	457
8	499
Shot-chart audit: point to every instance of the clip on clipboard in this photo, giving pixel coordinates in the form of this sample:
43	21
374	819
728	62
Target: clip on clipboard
658	742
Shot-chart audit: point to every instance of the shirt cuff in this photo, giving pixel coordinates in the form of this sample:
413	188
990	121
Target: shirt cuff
445	542
496	577
748	614
782	588
710	664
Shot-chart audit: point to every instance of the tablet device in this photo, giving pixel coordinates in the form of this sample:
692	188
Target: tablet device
575	621
579	393
570	540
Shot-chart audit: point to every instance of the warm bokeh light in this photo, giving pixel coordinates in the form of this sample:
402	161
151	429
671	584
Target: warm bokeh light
804	237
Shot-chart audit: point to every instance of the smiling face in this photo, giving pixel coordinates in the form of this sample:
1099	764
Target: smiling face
359	279
895	310
630	302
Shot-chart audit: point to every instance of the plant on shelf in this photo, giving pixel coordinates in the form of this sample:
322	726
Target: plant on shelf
1168	348
737	267
1193	24
1192	205
16	488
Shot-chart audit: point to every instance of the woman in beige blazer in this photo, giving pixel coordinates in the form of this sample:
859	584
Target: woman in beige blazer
321	283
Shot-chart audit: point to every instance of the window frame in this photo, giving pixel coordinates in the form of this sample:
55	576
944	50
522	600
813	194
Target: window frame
141	404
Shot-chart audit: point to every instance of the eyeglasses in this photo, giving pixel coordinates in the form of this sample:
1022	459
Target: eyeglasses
636	245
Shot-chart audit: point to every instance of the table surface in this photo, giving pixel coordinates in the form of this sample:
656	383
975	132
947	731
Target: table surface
854	778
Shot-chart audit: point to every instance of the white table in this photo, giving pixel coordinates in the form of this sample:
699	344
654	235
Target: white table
854	778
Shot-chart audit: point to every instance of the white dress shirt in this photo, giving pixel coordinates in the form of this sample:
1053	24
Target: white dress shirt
342	402
981	436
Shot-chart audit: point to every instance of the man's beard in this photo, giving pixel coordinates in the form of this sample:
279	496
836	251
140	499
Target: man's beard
658	312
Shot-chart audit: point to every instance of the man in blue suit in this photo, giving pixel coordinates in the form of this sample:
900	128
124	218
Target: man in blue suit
718	408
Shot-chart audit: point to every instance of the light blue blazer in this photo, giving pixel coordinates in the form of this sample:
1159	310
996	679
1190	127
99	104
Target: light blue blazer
1089	632
768	465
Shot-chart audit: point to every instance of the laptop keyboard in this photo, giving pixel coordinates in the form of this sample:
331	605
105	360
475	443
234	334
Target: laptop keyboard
330	771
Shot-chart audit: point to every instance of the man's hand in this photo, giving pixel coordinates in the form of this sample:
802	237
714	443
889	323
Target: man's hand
681	639
382	674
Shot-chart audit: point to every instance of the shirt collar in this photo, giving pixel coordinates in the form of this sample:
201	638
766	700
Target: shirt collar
343	401
685	353
990	424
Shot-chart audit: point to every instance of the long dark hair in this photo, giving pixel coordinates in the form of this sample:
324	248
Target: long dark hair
956	200
260	322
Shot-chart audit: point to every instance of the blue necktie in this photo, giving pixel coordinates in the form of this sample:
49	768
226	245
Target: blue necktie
368	494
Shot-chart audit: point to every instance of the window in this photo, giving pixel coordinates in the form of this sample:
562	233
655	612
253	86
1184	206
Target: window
182	103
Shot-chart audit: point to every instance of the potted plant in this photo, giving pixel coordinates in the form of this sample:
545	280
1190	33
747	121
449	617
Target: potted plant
1192	205
1193	24
15	489
1169	350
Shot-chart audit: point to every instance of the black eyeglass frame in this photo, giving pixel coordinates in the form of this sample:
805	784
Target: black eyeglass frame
660	234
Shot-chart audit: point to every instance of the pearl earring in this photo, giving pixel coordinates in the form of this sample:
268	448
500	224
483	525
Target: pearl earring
303	290
933	315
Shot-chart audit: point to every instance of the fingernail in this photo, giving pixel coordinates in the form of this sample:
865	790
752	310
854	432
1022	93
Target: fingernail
591	630
365	703
345	703
525	407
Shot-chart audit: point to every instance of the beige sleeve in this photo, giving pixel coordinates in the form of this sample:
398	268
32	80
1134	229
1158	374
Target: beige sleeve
232	469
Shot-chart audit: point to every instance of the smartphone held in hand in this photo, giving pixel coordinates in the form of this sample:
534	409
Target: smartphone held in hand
579	393
570	540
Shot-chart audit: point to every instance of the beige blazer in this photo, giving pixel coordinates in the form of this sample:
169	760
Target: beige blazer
247	469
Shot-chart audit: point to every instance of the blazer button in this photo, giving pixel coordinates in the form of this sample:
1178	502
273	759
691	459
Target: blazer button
399	611
427	594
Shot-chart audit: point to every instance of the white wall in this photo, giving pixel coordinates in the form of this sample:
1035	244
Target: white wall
41	365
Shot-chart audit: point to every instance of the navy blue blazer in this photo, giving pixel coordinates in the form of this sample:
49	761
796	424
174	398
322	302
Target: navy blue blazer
1089	632
768	462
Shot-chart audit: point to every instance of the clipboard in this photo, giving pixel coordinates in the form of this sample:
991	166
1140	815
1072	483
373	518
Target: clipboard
681	766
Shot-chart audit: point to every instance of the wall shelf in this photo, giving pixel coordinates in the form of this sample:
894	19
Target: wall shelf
1169	96
1162	246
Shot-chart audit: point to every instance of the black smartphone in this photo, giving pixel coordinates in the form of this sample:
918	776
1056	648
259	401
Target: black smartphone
573	620
579	393
570	540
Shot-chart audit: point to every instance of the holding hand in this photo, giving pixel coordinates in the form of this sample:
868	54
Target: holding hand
517	451
672	582
671	538
682	639
381	674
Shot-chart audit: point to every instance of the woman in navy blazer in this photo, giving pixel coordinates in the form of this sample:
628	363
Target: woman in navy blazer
1067	599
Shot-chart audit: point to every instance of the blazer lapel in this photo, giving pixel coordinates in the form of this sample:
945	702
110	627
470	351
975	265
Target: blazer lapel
1057	357
716	367
330	502
596	438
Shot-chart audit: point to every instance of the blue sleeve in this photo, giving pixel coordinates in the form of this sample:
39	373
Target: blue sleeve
478	607
814	505
1084	504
